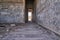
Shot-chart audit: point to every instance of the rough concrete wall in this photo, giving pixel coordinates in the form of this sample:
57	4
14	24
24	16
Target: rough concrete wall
48	14
12	11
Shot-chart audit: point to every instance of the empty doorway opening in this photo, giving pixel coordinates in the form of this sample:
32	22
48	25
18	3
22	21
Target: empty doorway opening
29	6
30	15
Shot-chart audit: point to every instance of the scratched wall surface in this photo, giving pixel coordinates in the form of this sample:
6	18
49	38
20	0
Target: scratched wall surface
48	14
12	11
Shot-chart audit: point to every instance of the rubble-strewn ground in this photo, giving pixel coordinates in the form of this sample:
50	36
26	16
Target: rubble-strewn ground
29	31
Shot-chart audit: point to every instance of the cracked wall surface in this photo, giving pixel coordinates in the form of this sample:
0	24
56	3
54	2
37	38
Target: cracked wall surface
48	14
12	11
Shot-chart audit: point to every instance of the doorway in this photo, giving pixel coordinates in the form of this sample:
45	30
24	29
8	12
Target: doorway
30	15
29	10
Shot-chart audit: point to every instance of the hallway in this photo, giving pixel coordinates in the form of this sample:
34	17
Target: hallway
30	31
15	17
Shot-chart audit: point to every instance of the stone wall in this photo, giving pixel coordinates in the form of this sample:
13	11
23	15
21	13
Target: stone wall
20	1
12	11
48	14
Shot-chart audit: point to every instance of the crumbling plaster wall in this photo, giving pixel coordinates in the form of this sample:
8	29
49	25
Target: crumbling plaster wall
48	14
12	11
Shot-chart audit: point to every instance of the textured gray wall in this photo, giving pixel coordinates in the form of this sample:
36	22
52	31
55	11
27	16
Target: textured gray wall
48	14
12	11
12	0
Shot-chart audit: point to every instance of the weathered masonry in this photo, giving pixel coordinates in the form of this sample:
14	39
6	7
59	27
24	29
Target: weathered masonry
44	12
48	14
12	11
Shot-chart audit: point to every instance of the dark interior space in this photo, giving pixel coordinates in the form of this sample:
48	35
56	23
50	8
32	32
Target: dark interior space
29	4
29	1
